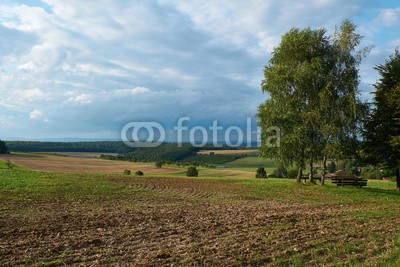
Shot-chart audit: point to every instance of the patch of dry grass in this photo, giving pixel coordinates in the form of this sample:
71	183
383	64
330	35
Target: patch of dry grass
63	164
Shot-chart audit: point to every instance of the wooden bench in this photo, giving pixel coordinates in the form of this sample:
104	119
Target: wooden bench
349	180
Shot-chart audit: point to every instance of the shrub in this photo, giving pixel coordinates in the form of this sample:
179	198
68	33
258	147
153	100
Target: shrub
139	173
159	164
261	173
331	167
192	172
9	164
279	172
3	148
127	172
292	173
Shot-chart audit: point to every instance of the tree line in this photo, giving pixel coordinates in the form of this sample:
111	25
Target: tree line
98	146
312	81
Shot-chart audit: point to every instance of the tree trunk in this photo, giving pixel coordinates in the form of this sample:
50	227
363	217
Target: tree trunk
323	172
299	174
398	179
310	177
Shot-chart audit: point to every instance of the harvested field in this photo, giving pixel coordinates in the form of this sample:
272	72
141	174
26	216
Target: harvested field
51	219
63	164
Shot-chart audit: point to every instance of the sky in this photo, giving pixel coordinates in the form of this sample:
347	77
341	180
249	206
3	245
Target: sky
82	70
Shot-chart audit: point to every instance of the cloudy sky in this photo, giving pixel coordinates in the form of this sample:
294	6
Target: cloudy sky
83	69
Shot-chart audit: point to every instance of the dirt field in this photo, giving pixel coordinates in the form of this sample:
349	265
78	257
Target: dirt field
63	164
130	221
80	163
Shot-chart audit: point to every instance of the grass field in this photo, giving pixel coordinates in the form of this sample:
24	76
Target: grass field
54	219
251	164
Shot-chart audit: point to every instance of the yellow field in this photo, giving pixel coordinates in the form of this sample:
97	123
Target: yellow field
63	164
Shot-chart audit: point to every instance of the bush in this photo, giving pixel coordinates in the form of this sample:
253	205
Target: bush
279	172
139	173
261	173
192	172
3	148
127	172
292	173
331	167
159	164
9	164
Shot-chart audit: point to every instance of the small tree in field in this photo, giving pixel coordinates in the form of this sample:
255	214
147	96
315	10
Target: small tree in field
192	172
127	172
3	148
139	173
261	173
159	164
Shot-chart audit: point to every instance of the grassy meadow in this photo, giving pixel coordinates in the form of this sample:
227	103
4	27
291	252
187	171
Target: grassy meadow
57	219
251	163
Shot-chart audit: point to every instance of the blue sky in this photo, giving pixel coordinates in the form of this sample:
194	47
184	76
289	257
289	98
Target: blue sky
83	69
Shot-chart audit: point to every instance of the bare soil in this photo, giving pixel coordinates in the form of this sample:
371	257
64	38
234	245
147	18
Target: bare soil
186	222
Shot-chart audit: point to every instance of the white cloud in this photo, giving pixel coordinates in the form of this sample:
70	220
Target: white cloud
35	114
29	94
257	25
80	99
132	91
390	17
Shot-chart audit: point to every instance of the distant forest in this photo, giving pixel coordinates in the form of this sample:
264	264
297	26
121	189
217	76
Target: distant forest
166	153
100	146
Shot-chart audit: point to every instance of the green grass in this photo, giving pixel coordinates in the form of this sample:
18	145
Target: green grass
289	190
378	203
251	164
18	185
3	166
75	185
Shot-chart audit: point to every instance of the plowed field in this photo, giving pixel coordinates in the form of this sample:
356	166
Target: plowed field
101	220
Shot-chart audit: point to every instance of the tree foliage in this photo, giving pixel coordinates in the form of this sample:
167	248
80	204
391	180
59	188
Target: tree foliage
382	129
192	172
159	164
3	147
312	81
139	173
261	173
